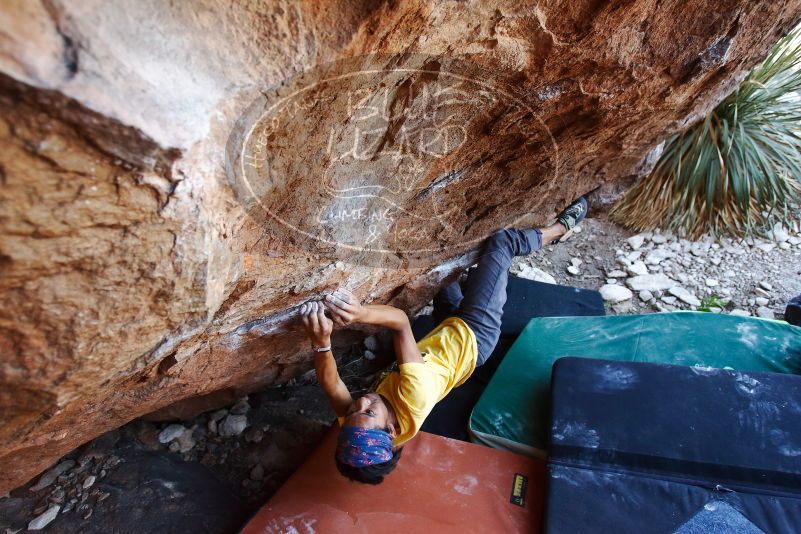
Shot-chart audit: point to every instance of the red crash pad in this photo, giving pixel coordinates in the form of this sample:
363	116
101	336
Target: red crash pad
440	485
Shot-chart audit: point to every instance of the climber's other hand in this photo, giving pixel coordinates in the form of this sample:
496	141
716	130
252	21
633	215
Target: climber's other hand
344	307
317	325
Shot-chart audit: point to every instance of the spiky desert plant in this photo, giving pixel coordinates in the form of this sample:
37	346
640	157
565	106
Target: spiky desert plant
740	162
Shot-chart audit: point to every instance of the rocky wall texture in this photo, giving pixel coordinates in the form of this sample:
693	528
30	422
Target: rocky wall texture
176	178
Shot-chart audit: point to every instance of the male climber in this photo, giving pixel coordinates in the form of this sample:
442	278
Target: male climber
375	426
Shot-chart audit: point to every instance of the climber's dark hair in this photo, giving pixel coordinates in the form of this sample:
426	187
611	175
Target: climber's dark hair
369	474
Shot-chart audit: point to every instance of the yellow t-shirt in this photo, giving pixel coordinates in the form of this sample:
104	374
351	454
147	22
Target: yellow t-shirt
450	353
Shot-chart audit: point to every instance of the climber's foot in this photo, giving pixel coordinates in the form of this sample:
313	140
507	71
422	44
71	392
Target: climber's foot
571	216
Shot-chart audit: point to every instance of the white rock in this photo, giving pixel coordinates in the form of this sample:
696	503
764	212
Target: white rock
623	308
729	274
762	292
711	282
780	235
187	442
241	406
637	268
650	282
667	299
765	313
761	301
614	293
765	247
794	240
766	286
577	229
576	262
784	246
698	250
740	313
636	241
52	474
218	414
572	269
646	296
657	256
171	432
658	239
611	281
88	482
371	343
369	355
684	295
233	425
45	519
617	273
634	256
532	273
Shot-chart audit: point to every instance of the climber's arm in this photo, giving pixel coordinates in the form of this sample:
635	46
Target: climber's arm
346	309
327	375
319	328
406	350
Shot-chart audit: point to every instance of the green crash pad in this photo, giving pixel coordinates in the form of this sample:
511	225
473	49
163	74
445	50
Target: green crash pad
512	413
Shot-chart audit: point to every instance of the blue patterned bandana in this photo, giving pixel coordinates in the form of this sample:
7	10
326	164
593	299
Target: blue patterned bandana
359	447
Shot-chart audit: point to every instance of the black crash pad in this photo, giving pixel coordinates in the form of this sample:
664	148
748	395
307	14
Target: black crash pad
644	447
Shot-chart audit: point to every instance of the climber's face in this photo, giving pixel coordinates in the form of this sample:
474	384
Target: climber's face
368	411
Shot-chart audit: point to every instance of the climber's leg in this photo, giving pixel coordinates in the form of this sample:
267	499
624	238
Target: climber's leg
447	301
485	290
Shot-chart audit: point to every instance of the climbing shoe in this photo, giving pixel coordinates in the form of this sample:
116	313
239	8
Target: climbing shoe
571	216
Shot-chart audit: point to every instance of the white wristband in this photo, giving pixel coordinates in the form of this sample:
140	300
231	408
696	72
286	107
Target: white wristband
322	349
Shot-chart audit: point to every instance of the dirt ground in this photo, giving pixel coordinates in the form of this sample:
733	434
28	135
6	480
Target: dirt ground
211	473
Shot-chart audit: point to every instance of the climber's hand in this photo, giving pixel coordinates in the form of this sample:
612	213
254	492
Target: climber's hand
345	307
317	325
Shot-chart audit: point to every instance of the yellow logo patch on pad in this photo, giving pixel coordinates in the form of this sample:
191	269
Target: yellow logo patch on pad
519	487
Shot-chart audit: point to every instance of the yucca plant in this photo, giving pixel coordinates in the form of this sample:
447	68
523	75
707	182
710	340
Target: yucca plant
738	164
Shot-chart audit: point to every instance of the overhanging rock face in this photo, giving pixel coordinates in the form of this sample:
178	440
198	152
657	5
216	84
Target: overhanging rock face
175	179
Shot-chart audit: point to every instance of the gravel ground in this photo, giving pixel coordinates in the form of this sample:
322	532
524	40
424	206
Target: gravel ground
754	276
211	472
